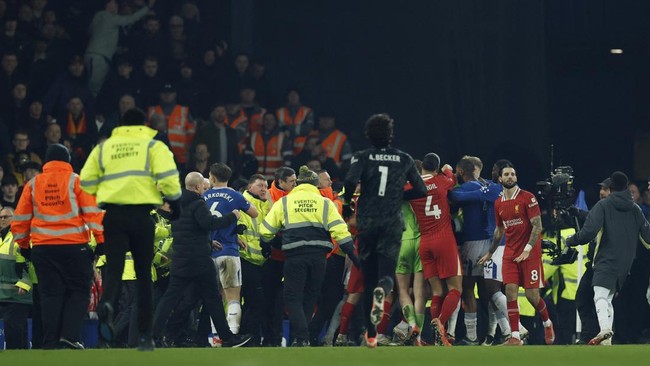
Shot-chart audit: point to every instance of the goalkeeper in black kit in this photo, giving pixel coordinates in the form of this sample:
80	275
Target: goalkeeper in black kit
382	172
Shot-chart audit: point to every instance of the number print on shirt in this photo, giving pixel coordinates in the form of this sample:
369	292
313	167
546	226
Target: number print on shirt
383	180
213	210
436	212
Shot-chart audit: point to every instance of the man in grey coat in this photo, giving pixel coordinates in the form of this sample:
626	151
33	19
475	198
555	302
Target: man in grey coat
617	223
104	34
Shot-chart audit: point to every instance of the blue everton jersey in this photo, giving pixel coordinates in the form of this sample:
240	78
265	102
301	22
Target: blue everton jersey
222	201
477	202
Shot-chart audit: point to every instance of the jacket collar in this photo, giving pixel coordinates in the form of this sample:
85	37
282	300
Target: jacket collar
305	187
57	166
134	131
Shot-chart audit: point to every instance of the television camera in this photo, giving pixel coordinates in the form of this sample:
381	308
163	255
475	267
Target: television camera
559	195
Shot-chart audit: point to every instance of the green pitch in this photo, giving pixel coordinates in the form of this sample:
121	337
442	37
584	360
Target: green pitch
397	356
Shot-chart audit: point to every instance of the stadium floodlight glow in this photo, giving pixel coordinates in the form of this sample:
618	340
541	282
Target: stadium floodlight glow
616	51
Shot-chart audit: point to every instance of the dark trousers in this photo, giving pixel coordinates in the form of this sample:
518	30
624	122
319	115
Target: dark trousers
208	287
178	325
126	320
330	295
65	273
253	295
273	308
378	271
15	318
37	319
303	278
586	307
130	228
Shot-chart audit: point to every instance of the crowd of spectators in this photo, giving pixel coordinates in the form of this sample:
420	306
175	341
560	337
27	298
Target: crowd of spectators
69	70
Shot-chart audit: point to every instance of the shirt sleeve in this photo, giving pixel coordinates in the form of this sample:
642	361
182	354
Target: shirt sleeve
272	222
353	176
497	217
532	206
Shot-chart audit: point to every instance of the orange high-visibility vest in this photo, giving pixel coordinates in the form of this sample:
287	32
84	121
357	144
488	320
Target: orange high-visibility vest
255	120
180	130
333	145
285	119
269	155
53	210
237	121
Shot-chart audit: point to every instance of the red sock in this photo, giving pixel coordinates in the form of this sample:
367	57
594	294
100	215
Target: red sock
541	309
449	305
513	315
436	301
385	319
346	314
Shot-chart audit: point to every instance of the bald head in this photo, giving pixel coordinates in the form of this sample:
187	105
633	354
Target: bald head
194	182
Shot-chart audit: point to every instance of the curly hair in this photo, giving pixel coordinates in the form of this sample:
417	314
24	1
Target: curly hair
379	130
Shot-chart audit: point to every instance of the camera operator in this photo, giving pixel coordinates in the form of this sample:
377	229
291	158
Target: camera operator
585	293
621	222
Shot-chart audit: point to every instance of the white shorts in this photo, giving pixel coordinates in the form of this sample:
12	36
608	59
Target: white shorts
492	269
229	270
470	253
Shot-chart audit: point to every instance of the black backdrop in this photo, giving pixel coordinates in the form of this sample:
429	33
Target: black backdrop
496	79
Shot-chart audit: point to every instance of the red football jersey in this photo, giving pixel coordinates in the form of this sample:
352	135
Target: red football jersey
514	215
432	211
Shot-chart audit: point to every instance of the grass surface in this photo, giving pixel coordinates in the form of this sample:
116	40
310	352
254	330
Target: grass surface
398	356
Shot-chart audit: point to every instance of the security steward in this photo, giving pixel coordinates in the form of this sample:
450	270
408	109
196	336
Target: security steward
129	174
15	286
309	223
54	213
252	259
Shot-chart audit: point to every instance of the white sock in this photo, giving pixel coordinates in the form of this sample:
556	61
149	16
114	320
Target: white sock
453	319
604	309
515	335
234	316
470	325
501	304
492	320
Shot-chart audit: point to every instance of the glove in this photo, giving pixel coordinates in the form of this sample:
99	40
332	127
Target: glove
20	268
241	228
347	211
175	206
27	253
266	248
99	249
570	241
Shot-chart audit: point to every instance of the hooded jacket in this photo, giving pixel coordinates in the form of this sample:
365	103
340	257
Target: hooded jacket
617	223
191	233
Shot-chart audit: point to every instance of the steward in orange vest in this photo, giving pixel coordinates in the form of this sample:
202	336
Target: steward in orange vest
296	119
56	216
334	141
271	147
180	127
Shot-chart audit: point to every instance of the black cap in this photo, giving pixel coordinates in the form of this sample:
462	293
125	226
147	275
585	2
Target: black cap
57	152
431	162
168	88
607	183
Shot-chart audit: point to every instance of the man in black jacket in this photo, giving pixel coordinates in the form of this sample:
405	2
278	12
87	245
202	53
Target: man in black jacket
191	262
618	223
